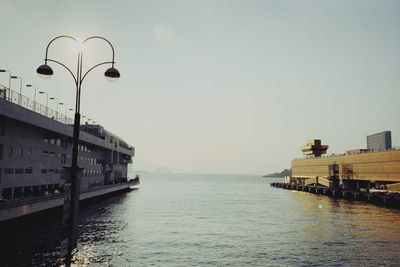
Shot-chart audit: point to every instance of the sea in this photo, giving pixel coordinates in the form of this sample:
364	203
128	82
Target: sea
213	220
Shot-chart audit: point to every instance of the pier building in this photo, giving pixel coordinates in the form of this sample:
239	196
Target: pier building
355	170
35	157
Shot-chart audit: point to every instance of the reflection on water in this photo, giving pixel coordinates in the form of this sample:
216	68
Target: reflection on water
218	220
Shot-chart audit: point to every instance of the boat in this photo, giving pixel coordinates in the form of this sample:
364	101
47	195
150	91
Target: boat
35	157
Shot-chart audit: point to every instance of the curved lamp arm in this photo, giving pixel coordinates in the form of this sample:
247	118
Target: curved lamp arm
95	66
58	62
55	38
102	38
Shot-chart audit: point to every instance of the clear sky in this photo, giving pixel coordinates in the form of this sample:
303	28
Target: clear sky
220	86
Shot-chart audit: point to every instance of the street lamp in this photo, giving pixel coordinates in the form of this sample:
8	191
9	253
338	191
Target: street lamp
47	99
20	84
56	99
9	77
34	87
65	114
71	109
9	84
45	71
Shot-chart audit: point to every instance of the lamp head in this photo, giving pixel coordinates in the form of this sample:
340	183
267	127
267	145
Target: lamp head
112	74
44	71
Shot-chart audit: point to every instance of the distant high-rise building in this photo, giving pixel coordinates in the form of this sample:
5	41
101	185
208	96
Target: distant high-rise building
380	141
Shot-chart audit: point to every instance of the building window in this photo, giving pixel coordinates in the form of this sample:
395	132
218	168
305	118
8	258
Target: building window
28	170
19	170
45	153
7	193
20	151
1	151
10	150
27	191
17	192
8	170
64	143
44	170
1	128
63	158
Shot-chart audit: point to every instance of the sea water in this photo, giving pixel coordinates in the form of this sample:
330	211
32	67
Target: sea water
216	220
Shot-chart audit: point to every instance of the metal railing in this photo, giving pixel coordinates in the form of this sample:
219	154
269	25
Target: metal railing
395	148
34	106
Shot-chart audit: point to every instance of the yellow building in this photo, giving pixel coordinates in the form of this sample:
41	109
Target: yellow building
353	170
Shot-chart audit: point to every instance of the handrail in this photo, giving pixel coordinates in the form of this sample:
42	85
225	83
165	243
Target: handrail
25	102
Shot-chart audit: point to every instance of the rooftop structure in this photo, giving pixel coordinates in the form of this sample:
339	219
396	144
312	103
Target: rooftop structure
313	148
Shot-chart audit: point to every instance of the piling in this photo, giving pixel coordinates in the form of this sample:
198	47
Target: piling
387	199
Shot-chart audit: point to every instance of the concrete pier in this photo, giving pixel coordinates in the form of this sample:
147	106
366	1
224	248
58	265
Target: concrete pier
387	199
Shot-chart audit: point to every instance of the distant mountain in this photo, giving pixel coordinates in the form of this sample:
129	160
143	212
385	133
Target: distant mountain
139	171
161	170
285	172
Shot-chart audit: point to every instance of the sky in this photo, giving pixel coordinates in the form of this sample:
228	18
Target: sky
222	86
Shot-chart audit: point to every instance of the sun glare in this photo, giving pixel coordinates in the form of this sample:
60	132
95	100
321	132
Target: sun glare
79	47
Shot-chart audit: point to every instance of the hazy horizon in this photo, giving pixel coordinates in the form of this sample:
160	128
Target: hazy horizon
228	86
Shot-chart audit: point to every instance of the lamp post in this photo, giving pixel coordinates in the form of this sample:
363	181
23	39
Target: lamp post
47	95
83	117
56	99
65	114
9	81
47	102
72	193
70	109
34	97
20	88
34	87
20	84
